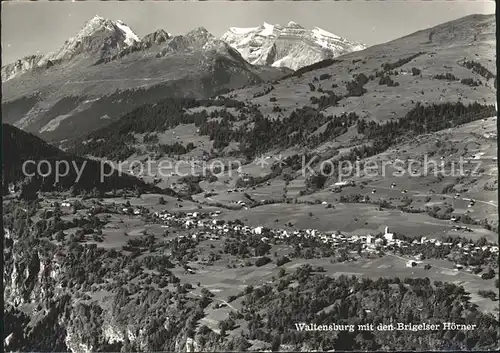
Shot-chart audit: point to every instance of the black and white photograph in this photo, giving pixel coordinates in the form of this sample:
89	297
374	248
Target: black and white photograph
262	176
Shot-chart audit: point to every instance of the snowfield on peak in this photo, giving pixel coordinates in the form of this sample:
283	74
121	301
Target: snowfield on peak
290	46
238	30
268	30
321	32
93	25
130	36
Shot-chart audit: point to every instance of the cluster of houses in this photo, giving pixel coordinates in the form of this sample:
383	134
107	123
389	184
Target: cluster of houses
213	228
490	135
131	210
240	203
64	203
457	228
337	187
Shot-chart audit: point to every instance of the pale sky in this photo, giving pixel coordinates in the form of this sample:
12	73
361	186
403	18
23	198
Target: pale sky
31	27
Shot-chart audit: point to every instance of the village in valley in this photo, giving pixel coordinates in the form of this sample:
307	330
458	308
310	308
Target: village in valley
165	220
220	238
235	192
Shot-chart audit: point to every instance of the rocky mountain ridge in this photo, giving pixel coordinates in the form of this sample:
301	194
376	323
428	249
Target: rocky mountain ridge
99	37
106	70
290	46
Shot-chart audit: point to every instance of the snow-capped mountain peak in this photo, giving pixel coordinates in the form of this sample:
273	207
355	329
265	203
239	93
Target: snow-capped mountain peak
97	39
101	40
292	24
98	36
291	46
93	25
97	24
199	32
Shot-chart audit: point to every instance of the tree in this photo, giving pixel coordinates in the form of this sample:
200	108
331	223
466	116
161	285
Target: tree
240	344
316	181
275	345
206	293
488	294
282	260
282	272
488	275
60	236
29	192
481	241
261	261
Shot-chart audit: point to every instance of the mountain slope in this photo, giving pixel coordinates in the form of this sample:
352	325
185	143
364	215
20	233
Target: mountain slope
106	280
320	107
21	147
385	81
290	46
105	71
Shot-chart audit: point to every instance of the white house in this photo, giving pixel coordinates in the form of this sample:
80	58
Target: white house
379	242
387	235
258	230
